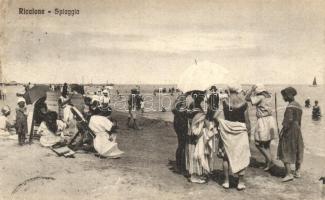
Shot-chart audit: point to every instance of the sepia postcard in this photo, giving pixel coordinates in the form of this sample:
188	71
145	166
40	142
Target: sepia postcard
162	99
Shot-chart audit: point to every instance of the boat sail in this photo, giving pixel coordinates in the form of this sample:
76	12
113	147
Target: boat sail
314	82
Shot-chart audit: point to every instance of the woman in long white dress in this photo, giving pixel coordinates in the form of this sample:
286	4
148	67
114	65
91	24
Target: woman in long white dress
51	130
199	142
105	140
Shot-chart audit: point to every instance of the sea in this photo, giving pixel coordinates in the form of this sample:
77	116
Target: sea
313	131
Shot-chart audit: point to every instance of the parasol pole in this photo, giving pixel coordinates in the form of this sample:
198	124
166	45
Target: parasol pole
276	113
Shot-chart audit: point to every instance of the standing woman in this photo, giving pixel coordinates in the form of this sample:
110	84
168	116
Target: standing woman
291	145
265	127
63	101
181	129
199	141
234	144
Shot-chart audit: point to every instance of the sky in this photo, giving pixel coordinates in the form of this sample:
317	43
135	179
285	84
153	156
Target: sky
155	41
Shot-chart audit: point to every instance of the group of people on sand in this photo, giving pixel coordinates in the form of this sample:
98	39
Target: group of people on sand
89	129
3	93
95	129
223	130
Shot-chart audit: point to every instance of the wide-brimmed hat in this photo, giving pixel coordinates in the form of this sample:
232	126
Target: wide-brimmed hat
260	88
5	109
105	92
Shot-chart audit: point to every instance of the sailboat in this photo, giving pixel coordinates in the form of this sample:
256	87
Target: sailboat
314	82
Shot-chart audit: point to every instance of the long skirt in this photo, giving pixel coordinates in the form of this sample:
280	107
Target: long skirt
291	145
193	165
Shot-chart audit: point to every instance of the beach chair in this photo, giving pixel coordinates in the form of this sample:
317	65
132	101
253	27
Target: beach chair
82	125
104	147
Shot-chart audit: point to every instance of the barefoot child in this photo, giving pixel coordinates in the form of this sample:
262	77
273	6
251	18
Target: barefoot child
234	143
21	120
291	145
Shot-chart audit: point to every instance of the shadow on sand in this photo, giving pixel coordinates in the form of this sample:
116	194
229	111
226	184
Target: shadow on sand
276	170
173	168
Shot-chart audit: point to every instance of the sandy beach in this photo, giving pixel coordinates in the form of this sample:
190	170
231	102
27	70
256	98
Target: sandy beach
146	171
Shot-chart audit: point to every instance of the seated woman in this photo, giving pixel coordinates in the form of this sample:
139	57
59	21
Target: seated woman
234	144
51	130
105	140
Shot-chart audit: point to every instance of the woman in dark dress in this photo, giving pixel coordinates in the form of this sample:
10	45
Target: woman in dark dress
181	129
291	145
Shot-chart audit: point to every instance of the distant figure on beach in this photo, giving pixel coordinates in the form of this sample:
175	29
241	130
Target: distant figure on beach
21	120
142	104
65	87
64	101
265	126
316	114
99	92
234	142
307	103
180	126
105	99
291	145
27	87
4	93
133	109
118	94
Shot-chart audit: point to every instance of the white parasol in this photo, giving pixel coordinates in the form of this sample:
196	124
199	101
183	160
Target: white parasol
201	76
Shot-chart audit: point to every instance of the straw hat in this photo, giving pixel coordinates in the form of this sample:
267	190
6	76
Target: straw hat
5	109
105	91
